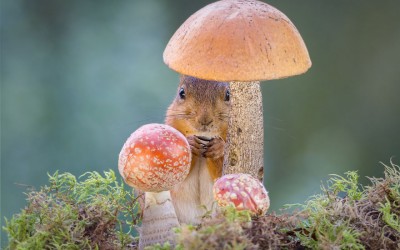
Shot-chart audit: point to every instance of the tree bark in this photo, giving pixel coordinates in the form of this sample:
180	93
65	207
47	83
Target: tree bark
159	218
245	141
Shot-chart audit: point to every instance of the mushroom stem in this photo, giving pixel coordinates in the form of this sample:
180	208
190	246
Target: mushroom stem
159	218
245	139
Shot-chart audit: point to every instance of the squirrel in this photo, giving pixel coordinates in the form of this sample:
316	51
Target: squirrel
200	111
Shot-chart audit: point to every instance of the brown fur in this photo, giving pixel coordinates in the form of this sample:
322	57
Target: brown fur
204	100
204	103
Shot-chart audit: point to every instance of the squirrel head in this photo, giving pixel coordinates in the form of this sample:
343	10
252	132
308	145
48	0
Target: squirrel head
201	107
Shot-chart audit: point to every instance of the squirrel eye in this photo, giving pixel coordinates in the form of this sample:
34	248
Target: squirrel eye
182	94
227	95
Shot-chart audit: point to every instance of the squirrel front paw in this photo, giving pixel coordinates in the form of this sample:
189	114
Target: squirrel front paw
197	146
215	148
207	147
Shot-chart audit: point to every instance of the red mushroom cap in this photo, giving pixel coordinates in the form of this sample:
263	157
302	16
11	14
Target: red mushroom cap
155	158
242	191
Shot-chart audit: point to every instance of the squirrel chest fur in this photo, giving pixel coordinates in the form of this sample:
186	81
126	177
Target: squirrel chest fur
200	112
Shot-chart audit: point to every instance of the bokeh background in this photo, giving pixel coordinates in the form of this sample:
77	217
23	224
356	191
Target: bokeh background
77	77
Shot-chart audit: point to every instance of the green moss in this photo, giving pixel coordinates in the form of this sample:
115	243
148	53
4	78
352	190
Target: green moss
391	219
93	211
349	216
326	226
226	231
96	212
349	185
345	215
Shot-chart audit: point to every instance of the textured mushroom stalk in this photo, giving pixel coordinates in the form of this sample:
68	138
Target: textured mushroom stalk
158	220
242	191
245	140
154	159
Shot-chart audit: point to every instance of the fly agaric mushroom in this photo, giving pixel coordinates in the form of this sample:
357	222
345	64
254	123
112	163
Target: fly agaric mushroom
242	42
242	191
154	159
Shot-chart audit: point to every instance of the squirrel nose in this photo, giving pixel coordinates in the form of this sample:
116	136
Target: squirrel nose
205	121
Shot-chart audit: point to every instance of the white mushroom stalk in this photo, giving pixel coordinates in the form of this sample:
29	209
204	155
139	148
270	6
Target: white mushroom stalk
159	218
154	159
241	42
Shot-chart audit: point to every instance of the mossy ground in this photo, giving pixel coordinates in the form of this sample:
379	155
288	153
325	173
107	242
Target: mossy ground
91	212
345	216
98	212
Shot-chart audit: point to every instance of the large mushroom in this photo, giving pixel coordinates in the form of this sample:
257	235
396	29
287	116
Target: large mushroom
154	159
243	42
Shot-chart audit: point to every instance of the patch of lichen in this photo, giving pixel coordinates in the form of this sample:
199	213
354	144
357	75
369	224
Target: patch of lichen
89	212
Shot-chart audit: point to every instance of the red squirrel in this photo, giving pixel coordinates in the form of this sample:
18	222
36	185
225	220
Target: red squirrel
200	112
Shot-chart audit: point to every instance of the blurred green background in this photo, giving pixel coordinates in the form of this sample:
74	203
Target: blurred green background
77	77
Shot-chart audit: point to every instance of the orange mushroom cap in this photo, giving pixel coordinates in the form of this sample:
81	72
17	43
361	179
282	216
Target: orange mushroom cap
243	191
237	40
155	158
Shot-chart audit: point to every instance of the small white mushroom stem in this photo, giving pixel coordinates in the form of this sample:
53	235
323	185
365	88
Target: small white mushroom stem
159	218
245	140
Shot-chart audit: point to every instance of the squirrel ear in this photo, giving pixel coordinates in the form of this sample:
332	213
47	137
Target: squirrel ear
183	78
